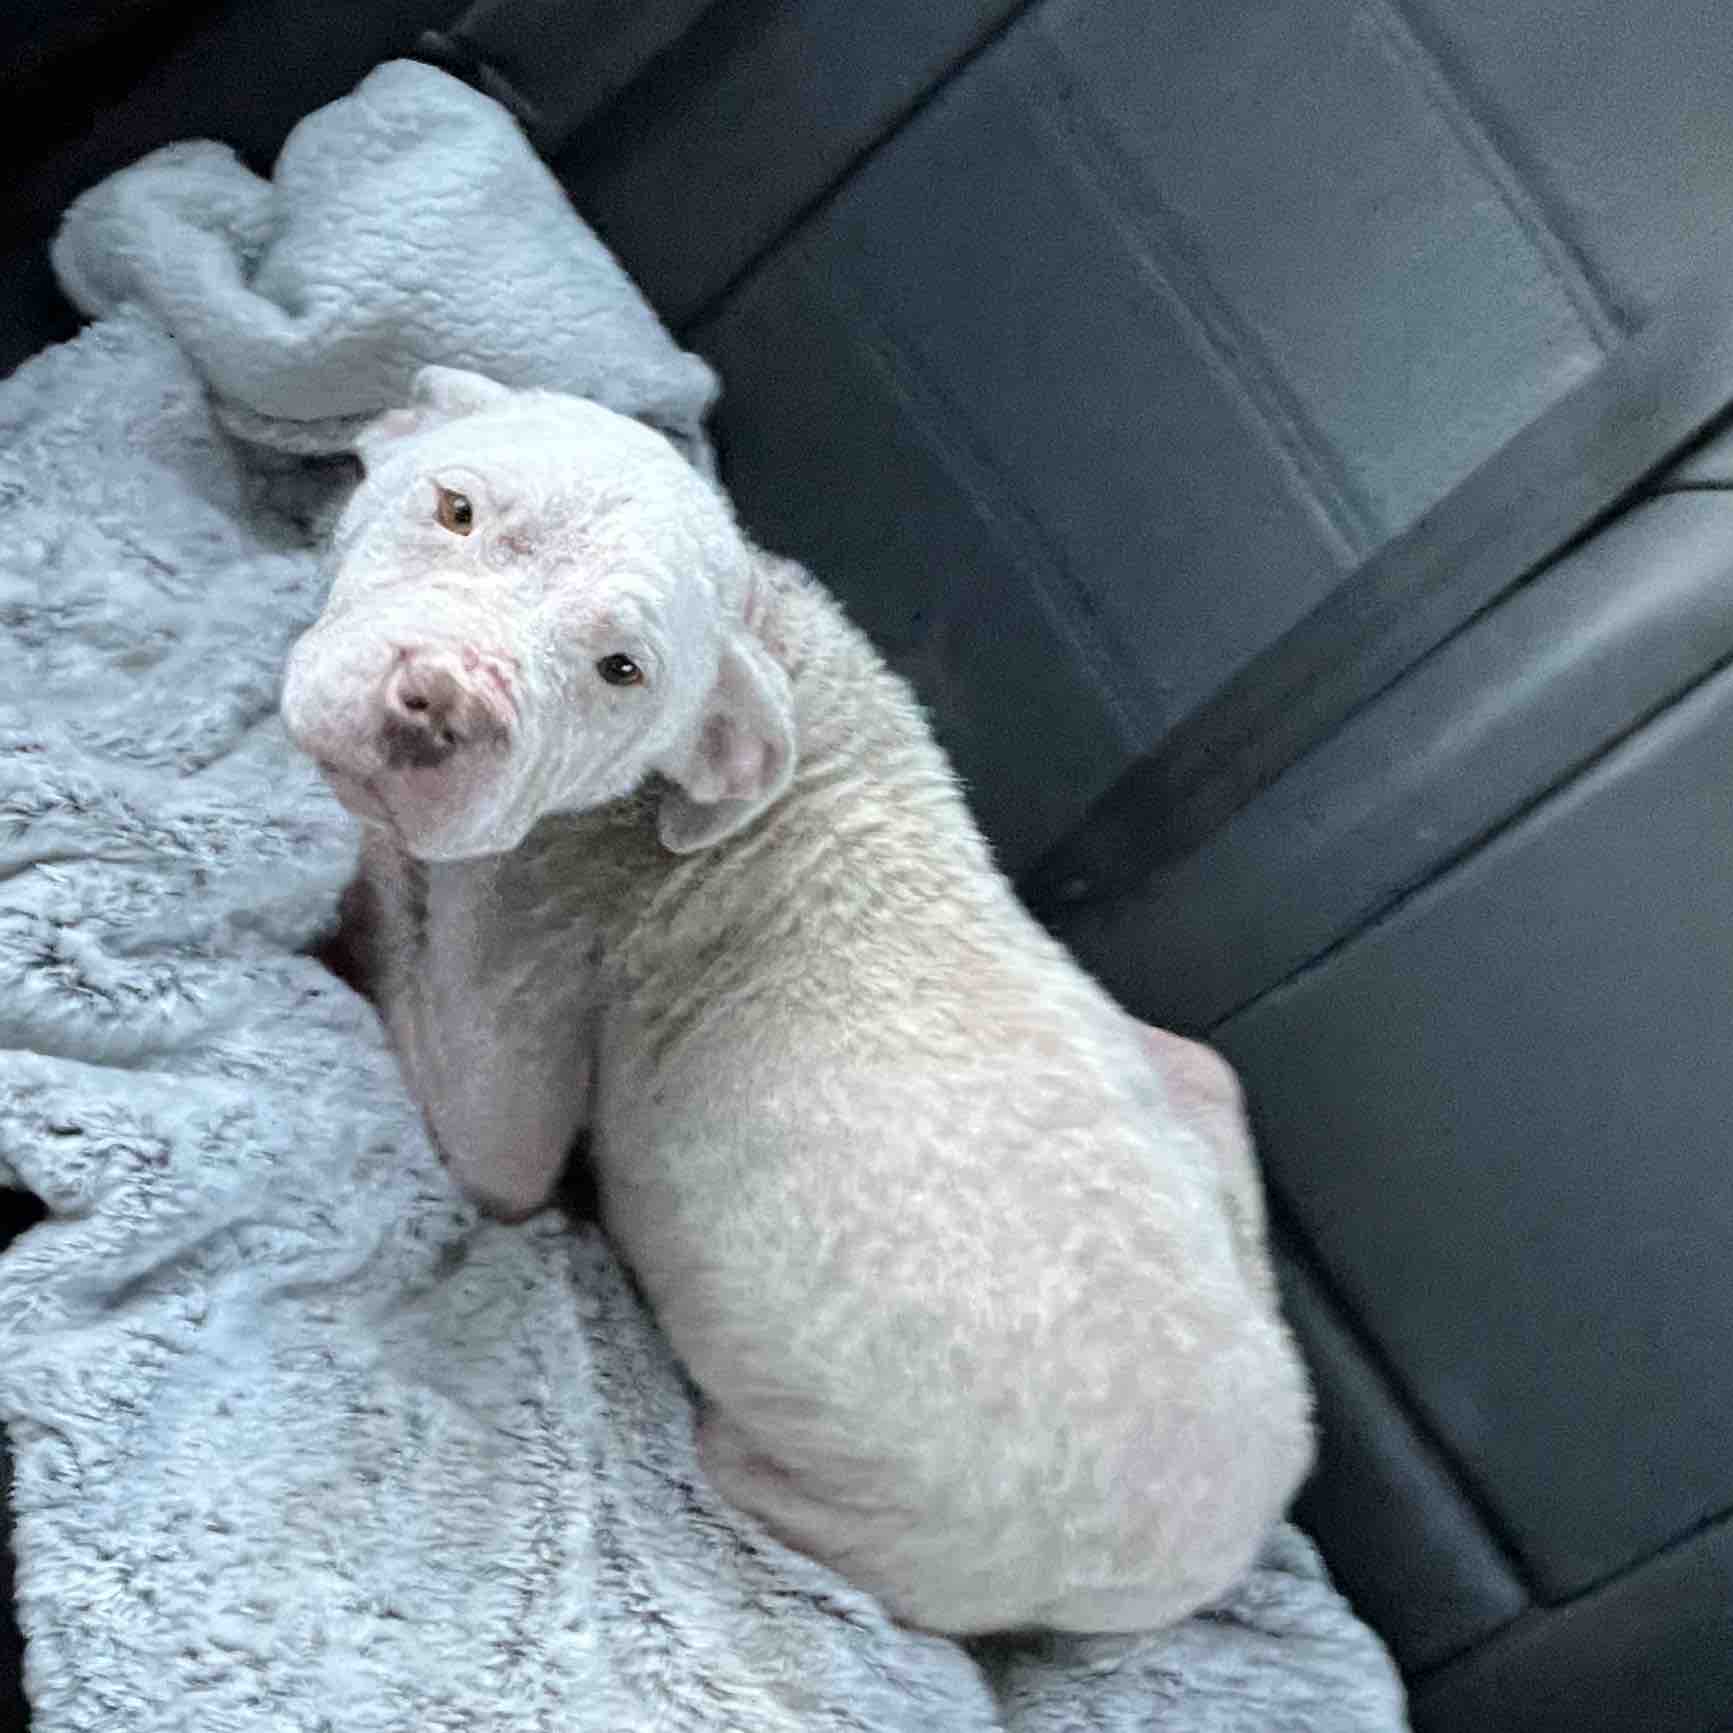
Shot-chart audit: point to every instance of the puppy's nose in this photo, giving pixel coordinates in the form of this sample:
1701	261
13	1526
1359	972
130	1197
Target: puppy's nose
423	716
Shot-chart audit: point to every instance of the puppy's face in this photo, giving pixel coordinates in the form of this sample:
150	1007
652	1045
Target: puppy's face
536	603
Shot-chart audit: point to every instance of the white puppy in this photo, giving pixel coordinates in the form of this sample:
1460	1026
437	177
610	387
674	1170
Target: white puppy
657	845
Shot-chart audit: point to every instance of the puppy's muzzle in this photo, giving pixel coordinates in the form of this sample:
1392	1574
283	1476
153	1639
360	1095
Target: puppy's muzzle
429	714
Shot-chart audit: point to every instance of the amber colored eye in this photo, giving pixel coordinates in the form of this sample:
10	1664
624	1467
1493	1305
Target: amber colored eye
620	671
454	512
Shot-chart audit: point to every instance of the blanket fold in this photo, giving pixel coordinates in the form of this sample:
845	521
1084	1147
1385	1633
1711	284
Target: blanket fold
406	223
300	1442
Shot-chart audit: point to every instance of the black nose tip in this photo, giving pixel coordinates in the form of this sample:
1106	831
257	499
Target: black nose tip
421	712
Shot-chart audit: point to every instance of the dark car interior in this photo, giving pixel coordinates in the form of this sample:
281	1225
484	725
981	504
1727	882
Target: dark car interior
1284	446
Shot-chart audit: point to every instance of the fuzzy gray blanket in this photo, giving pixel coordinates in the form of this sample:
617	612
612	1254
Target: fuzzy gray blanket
300	1442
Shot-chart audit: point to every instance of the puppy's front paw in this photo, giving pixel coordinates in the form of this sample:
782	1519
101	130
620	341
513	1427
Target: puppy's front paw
503	1190
504	1209
498	1192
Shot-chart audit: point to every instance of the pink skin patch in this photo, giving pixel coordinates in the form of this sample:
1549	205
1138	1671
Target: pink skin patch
492	670
498	668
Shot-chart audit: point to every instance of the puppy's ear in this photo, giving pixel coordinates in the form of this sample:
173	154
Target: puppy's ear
439	394
741	756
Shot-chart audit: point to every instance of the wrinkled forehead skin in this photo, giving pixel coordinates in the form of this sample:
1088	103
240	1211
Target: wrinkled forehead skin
554	481
591	536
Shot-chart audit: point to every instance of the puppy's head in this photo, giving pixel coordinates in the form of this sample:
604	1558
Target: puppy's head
536	604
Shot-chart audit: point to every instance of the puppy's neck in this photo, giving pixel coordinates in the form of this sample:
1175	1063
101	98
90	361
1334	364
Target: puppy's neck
872	832
872	794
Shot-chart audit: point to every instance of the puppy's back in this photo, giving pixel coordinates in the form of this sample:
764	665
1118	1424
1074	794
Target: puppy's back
962	1289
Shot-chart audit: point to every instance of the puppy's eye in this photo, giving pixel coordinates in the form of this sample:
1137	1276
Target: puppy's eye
620	671
454	512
